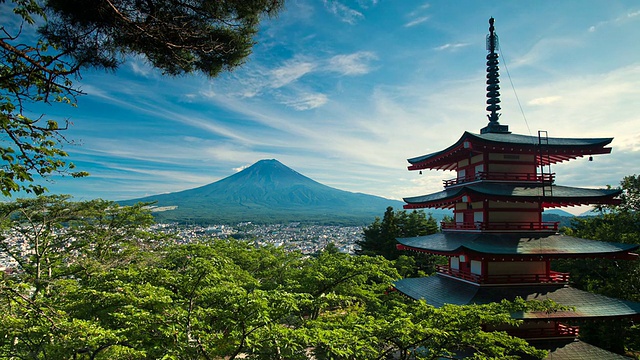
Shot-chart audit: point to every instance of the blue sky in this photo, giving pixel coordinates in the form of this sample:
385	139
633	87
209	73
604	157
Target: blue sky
345	91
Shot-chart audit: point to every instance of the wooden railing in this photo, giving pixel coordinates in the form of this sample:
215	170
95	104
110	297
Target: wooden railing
445	269
560	330
501	226
553	277
499	176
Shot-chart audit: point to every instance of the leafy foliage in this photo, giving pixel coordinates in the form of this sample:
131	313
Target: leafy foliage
31	73
379	238
175	36
113	289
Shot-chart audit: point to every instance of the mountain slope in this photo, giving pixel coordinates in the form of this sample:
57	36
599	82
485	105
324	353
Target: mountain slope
267	192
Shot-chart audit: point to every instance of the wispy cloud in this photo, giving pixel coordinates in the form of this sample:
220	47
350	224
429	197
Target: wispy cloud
417	21
290	72
140	66
417	16
352	64
451	46
633	15
306	101
419	10
343	12
544	100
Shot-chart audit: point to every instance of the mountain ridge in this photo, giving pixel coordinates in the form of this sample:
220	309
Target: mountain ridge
268	192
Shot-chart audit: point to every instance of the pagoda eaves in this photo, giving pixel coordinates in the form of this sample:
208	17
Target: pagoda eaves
548	197
554	150
521	245
440	290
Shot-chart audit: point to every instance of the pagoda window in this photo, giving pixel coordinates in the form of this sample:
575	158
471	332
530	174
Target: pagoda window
478	170
476	267
462	173
455	263
459	217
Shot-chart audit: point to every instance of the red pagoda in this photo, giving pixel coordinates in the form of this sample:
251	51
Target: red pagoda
498	246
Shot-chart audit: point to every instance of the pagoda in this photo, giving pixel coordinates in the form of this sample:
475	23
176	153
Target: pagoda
498	246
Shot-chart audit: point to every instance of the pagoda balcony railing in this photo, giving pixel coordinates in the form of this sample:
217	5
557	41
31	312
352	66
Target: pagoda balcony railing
446	270
501	176
560	330
553	277
501	226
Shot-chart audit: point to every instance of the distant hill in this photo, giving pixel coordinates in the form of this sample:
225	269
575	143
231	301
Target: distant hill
268	192
558	212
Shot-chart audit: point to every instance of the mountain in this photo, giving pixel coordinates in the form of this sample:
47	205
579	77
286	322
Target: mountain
268	192
557	212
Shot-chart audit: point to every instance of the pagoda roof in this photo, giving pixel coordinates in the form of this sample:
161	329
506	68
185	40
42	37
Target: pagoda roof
514	244
574	350
439	290
555	150
554	196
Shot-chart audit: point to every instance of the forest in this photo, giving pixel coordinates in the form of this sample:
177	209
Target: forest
95	282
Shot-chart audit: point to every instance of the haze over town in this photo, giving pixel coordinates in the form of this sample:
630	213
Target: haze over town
345	91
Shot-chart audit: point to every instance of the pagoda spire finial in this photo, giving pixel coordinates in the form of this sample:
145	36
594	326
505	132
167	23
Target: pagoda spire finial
493	84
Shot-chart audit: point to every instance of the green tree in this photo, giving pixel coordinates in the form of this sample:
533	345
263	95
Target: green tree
175	36
62	247
125	292
379	238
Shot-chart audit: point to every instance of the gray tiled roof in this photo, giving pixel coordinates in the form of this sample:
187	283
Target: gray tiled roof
439	290
515	244
516	139
526	139
575	350
516	192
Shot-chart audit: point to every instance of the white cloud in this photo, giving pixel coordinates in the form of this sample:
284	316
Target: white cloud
417	21
306	101
544	100
140	66
352	64
290	72
343	12
620	19
451	46
419	9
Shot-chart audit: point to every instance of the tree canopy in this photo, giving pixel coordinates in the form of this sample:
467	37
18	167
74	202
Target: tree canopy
175	36
379	238
109	287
